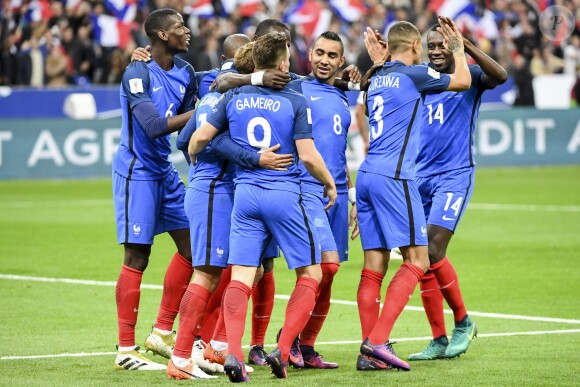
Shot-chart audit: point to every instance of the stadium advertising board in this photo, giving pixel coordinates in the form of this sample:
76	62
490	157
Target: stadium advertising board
64	148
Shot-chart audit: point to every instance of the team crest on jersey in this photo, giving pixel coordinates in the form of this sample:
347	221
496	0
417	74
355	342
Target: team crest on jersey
136	229
182	89
219	251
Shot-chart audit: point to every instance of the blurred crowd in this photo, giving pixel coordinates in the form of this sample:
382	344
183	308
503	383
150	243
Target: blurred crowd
72	42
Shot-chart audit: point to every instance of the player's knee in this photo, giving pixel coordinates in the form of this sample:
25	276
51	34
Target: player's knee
329	269
259	275
436	253
268	264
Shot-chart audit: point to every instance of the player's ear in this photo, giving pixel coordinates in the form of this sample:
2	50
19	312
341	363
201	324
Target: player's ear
310	55
162	35
342	59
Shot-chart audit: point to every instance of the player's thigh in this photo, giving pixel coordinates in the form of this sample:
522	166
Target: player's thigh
136	209
171	212
425	185
314	205
371	232
450	198
248	235
400	212
338	218
288	221
209	224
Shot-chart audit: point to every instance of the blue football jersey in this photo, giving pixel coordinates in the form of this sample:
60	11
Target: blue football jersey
394	100
210	170
448	124
140	157
330	122
205	80
259	118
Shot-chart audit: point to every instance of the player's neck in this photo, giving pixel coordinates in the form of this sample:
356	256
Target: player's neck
163	58
329	81
406	57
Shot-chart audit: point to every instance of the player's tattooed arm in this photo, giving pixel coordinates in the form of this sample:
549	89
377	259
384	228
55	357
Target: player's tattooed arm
453	41
494	74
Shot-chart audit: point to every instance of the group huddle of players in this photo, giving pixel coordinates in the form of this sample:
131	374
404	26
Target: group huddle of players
268	171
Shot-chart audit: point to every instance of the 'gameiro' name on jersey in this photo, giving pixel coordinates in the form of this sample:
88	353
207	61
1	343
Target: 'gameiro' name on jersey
394	101
448	125
259	118
257	103
330	122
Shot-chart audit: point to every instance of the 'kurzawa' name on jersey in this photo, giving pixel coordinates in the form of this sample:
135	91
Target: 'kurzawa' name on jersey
384	81
257	103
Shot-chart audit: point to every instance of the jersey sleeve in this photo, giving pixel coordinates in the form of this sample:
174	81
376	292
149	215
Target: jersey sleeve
185	134
296	85
294	76
136	82
427	79
218	117
190	93
477	79
302	120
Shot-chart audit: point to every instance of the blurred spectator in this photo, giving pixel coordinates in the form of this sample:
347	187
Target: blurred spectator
545	62
117	63
99	36
523	82
57	67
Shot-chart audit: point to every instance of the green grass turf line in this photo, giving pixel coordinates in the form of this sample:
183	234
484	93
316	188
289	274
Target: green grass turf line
512	262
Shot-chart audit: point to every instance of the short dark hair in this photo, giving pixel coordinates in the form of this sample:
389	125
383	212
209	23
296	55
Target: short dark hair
158	20
233	43
269	25
269	49
329	35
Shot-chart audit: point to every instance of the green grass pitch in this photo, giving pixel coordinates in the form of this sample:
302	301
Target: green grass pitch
517	253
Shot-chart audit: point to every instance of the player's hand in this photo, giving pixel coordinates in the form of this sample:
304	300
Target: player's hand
275	161
378	50
351	74
141	54
452	37
353	223
275	79
330	193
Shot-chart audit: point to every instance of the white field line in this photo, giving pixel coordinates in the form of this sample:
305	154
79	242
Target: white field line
343	342
283	297
472	206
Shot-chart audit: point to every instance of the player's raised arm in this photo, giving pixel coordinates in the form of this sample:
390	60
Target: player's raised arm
316	167
494	74
461	78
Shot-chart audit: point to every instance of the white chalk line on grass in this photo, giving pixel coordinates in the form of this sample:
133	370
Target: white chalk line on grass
343	342
284	297
472	206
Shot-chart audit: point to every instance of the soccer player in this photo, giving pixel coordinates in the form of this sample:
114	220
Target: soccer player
157	99
388	202
257	117
208	204
330	122
445	173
